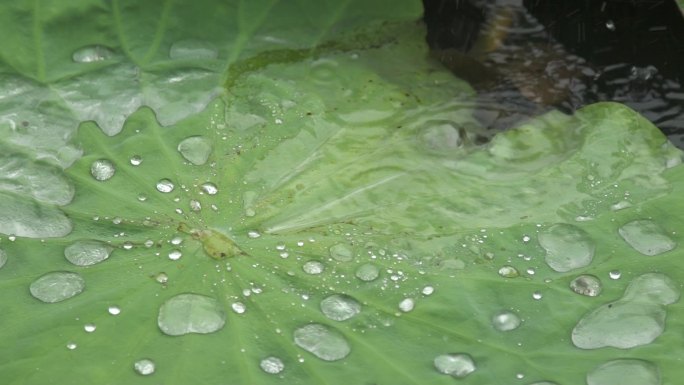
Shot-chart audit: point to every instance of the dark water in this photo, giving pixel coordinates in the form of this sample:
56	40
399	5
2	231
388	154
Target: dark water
527	58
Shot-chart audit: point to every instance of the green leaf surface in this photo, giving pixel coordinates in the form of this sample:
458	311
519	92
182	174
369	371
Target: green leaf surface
327	218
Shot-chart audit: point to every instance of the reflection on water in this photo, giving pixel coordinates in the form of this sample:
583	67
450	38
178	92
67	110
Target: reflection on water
522	67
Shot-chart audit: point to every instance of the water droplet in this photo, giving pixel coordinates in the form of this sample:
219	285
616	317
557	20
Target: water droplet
136	160
526	238
272	365
92	53
407	304
165	186
624	372
144	367
567	247
209	188
190	313
161	278
89	328
175	255
238	307
610	24
340	307
149	243
614	274
588	285
142	197
253	234
646	237
192	49
102	169
620	205
505	321
341	252
57	286
428	290
195	149
322	341
176	241
114	310
457	365
509	272
367	272
3	258
71	345
537	295
636	319
313	267
195	205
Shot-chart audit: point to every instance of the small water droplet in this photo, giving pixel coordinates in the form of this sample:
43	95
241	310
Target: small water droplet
89	328
567	247
322	341
610	24
144	367
428	290
340	307
195	149
102	169
505	321
57	286
114	310
161	278
136	160
313	267
92	53
646	237
195	205
209	188
253	234
526	238
86	253
71	345
620	205
142	197
175	255
457	365
367	272
537	295
127	245
272	365
588	285
176	241
624	372
614	274
149	243
190	313
341	252
165	186
509	272
406	305
238	307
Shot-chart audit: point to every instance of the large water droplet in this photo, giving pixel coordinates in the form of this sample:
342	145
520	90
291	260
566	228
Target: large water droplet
144	367
505	321
272	365
209	188
192	49
190	313
195	149
165	186
457	365
508	272
567	247
102	169
588	285
407	304
3	258
636	319
322	342
646	237
340	307
57	286
341	252
92	53
86	253
367	272
624	372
